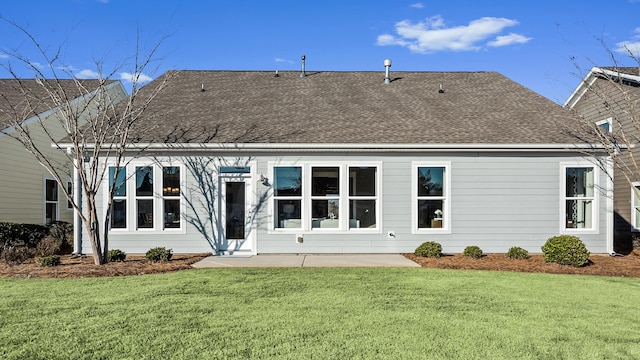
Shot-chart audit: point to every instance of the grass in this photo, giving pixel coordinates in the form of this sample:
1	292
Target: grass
321	313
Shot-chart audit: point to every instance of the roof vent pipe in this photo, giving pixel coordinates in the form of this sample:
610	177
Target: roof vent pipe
387	66
303	73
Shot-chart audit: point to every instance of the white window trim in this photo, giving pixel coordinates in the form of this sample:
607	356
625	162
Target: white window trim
343	198
158	199
608	121
446	223
45	201
595	216
634	227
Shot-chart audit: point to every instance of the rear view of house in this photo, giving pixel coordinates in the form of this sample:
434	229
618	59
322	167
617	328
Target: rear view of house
28	192
354	162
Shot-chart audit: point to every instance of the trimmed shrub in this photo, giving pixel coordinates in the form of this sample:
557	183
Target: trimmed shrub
159	254
116	255
429	249
517	252
472	251
566	250
62	231
14	255
51	260
12	234
48	246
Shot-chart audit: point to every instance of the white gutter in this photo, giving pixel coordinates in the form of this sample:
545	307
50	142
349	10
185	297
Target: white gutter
290	147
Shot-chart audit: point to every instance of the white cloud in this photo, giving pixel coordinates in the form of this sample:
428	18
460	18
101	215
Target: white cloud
87	74
432	35
417	6
281	60
139	78
630	46
505	40
4	56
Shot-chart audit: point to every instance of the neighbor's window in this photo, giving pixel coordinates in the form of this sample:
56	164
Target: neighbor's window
325	197
144	196
431	200
362	196
287	194
171	196
117	179
635	206
70	192
579	197
50	200
605	124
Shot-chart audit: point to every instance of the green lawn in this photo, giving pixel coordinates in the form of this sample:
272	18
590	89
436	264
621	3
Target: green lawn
322	313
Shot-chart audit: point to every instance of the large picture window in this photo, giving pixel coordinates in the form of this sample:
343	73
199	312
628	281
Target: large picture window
431	197
579	197
144	196
326	197
171	196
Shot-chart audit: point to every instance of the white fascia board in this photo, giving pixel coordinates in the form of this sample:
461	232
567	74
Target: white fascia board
293	147
588	81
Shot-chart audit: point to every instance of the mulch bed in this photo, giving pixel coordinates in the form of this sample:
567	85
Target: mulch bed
83	267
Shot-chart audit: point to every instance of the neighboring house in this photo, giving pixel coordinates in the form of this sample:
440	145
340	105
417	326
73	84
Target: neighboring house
610	98
28	192
246	162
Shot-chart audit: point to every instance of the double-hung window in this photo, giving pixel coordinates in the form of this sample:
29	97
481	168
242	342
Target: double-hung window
117	179
431	200
579	198
635	207
50	200
327	197
287	194
144	197
171	196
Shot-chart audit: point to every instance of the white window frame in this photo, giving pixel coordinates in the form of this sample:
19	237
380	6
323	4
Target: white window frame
158	198
608	121
306	199
446	198
594	229
46	202
635	206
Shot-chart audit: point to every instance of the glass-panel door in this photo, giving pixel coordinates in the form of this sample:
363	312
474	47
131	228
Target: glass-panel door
236	215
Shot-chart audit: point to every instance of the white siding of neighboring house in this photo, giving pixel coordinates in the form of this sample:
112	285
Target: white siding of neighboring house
22	178
498	201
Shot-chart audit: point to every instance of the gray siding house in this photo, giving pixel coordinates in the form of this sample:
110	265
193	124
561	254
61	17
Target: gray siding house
609	99
249	162
28	192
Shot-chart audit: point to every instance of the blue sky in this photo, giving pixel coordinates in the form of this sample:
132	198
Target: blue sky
544	45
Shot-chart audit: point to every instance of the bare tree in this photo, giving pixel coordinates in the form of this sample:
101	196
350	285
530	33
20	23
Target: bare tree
96	124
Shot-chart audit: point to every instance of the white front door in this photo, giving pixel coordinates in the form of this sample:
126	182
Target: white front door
236	230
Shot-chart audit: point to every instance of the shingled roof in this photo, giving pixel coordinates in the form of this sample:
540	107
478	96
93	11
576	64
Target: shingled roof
21	99
329	107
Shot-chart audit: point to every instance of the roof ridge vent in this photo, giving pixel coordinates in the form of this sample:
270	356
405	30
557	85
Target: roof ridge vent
303	73
387	66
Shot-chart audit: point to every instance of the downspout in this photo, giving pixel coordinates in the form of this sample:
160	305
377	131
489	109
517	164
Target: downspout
610	221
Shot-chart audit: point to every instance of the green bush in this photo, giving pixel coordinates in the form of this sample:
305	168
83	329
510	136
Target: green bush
48	246
429	249
14	255
158	254
517	252
62	231
51	260
14	234
472	251
116	255
566	250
